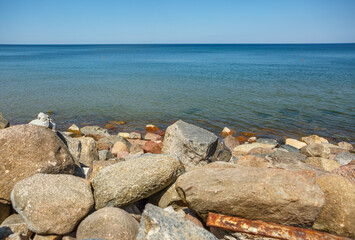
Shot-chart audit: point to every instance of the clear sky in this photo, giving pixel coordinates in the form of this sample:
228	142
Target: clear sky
178	21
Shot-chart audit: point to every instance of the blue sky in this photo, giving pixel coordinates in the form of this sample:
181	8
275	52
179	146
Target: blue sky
183	21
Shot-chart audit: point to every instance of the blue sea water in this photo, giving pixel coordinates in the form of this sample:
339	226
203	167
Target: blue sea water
271	89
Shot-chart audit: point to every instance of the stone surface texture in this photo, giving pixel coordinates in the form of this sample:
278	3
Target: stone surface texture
191	144
337	215
29	149
157	224
94	130
52	203
323	163
315	150
267	194
244	149
294	143
127	182
108	223
3	122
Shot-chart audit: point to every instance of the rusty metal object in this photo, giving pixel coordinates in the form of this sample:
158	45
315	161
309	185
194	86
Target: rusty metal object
265	229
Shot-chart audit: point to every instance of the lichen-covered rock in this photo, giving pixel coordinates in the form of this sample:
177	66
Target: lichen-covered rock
267	194
127	182
191	144
3	122
157	224
29	149
108	223
52	203
316	150
337	215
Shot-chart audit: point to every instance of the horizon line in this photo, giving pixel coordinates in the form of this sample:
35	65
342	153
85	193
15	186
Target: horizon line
174	43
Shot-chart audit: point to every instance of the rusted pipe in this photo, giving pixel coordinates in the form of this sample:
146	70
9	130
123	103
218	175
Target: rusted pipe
265	229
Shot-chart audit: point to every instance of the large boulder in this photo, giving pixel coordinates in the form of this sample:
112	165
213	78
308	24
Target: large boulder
52	203
157	224
192	145
127	182
337	215
3	122
267	194
29	149
108	223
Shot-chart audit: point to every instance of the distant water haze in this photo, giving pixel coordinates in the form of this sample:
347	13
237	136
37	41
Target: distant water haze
275	90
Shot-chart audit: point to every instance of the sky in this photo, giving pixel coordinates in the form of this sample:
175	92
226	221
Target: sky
179	21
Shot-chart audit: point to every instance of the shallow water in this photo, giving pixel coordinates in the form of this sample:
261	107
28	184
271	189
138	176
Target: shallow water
280	90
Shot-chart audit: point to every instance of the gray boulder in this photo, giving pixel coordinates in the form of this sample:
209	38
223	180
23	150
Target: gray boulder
127	182
344	158
267	194
88	152
94	130
192	145
108	223
52	203
3	122
29	149
105	155
157	224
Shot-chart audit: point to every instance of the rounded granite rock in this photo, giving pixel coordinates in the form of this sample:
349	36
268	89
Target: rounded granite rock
52	203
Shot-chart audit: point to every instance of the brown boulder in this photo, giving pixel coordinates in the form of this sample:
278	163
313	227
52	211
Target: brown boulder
231	142
153	137
337	215
267	194
104	146
152	147
118	147
29	149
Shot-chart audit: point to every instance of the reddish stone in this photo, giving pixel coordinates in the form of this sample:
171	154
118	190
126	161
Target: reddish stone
241	139
95	136
151	128
248	134
152	147
347	171
122	154
153	137
193	219
118	147
103	146
160	133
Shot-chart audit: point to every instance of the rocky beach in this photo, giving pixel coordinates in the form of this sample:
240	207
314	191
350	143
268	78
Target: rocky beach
182	182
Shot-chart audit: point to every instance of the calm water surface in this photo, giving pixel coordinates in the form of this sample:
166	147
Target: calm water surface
278	90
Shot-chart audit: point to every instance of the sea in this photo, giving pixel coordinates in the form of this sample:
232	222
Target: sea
273	90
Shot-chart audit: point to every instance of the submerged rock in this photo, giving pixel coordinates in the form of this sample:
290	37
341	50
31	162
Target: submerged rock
267	194
192	145
108	223
29	149
157	224
127	182
52	203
